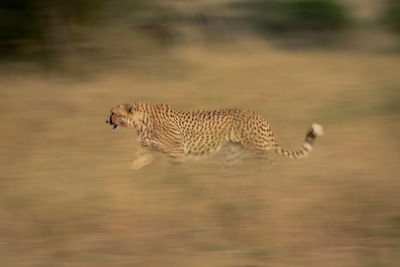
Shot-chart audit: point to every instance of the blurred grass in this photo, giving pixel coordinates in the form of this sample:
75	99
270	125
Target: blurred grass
69	197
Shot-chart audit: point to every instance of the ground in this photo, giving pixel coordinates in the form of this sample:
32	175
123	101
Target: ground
68	194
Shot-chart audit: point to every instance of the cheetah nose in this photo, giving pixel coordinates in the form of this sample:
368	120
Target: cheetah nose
110	120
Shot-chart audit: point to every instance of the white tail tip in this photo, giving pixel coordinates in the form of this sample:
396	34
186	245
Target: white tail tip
317	129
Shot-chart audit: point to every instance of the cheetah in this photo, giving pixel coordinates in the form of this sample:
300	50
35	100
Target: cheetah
185	134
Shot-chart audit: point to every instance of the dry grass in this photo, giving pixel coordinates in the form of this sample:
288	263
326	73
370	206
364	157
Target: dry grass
68	197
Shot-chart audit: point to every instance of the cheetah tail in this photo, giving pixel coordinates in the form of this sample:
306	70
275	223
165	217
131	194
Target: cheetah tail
315	131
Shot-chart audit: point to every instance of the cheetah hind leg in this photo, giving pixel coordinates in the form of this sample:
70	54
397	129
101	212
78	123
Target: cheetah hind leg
231	153
143	157
178	158
266	156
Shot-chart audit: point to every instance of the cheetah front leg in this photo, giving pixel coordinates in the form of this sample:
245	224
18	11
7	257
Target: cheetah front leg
143	157
231	153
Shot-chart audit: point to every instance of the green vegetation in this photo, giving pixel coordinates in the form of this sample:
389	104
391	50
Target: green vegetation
396	226
33	29
282	16
391	16
21	26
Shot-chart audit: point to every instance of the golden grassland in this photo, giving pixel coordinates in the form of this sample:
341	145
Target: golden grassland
69	198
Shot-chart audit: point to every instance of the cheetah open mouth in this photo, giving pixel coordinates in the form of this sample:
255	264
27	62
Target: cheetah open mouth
123	122
114	125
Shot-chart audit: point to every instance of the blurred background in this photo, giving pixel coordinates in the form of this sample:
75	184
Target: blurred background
69	198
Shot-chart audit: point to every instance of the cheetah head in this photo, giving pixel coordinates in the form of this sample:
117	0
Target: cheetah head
124	115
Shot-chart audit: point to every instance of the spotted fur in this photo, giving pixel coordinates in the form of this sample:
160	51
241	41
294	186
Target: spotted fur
181	134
